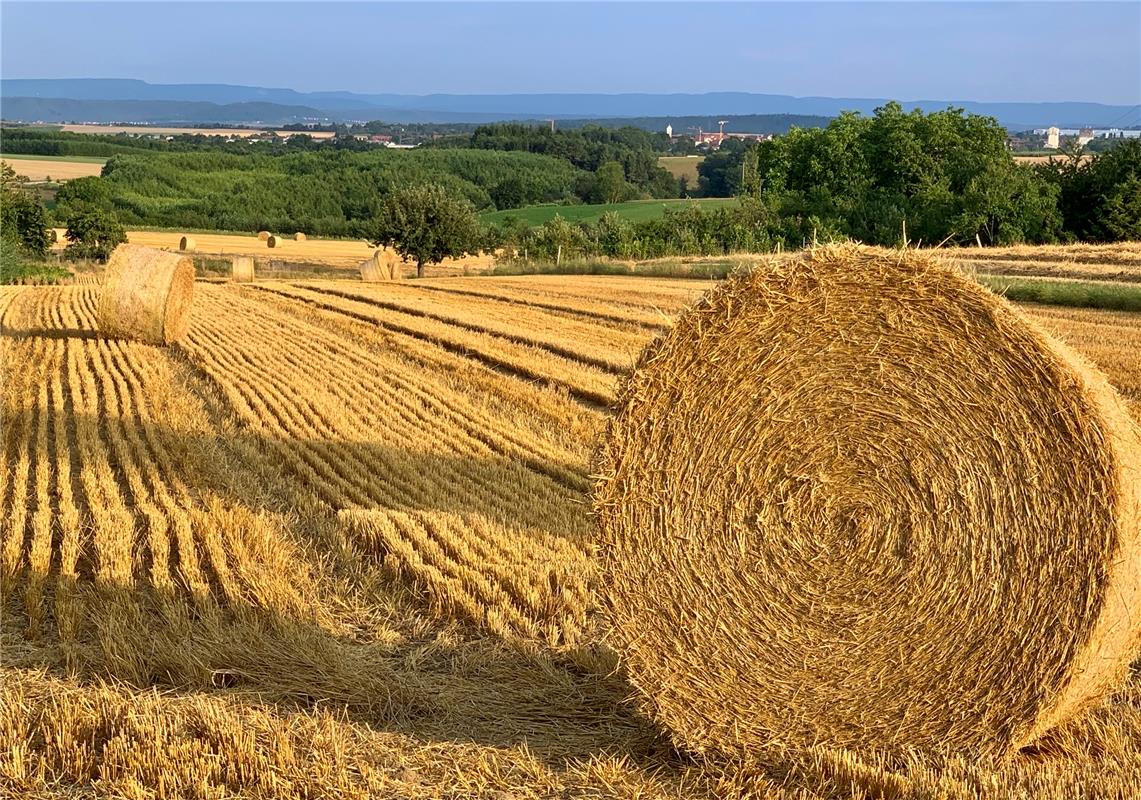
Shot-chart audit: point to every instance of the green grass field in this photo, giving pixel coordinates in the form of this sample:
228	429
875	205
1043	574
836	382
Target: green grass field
33	157
1077	294
635	210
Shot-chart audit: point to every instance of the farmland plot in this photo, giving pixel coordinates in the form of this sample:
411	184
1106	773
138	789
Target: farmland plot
344	531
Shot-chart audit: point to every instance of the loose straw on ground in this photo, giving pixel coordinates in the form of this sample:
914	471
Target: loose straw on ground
854	498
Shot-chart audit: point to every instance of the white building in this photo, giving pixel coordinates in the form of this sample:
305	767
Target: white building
1053	138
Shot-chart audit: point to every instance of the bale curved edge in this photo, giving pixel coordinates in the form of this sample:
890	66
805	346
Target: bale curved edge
855	499
146	295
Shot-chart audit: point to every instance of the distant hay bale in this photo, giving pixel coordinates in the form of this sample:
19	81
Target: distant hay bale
263	235
187	244
146	295
299	237
242	269
54	235
271	241
382	265
853	498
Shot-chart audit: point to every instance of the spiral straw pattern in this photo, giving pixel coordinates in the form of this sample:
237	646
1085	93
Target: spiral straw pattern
854	498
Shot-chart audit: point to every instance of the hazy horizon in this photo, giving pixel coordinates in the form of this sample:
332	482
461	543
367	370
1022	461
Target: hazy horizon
987	52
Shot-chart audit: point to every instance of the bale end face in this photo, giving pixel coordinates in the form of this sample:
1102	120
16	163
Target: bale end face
146	295
242	269
856	499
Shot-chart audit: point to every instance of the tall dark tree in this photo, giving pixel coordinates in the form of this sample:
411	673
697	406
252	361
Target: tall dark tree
23	218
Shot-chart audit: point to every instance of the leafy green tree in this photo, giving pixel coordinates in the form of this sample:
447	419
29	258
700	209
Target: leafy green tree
23	218
426	224
509	193
93	233
610	181
1122	219
1100	197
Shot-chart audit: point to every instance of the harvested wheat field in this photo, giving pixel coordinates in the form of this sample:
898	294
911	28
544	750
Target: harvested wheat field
57	169
337	542
336	252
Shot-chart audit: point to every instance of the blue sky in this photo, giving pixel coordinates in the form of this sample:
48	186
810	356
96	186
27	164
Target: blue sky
916	50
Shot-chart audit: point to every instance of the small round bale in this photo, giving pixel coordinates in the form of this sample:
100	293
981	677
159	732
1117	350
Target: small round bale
271	241
263	235
299	237
54	235
187	245
855	499
146	295
242	269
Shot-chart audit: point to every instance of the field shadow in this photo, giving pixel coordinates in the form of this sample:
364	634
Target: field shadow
52	333
372	649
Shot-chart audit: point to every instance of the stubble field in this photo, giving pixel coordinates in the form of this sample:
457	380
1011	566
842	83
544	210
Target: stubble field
337	543
57	169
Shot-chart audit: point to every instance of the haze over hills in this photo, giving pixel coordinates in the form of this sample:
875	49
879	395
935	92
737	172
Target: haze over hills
125	100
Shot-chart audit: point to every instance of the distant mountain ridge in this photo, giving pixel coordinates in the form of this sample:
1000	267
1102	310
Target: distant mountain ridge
289	105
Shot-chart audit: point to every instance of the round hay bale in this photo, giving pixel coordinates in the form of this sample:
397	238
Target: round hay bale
382	265
54	235
242	269
299	237
271	241
856	499
187	245
263	235
146	295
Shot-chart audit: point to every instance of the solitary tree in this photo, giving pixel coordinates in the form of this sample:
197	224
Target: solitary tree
611	182
426	224
93	233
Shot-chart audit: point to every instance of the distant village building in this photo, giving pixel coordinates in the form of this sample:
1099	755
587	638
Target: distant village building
1085	136
1053	138
710	139
670	131
1092	133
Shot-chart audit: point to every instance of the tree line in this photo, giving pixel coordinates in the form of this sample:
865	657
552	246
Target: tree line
943	177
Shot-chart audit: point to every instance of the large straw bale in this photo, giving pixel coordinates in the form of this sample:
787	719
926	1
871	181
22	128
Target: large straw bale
271	241
187	245
382	265
242	269
299	237
856	499
146	294
263	235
